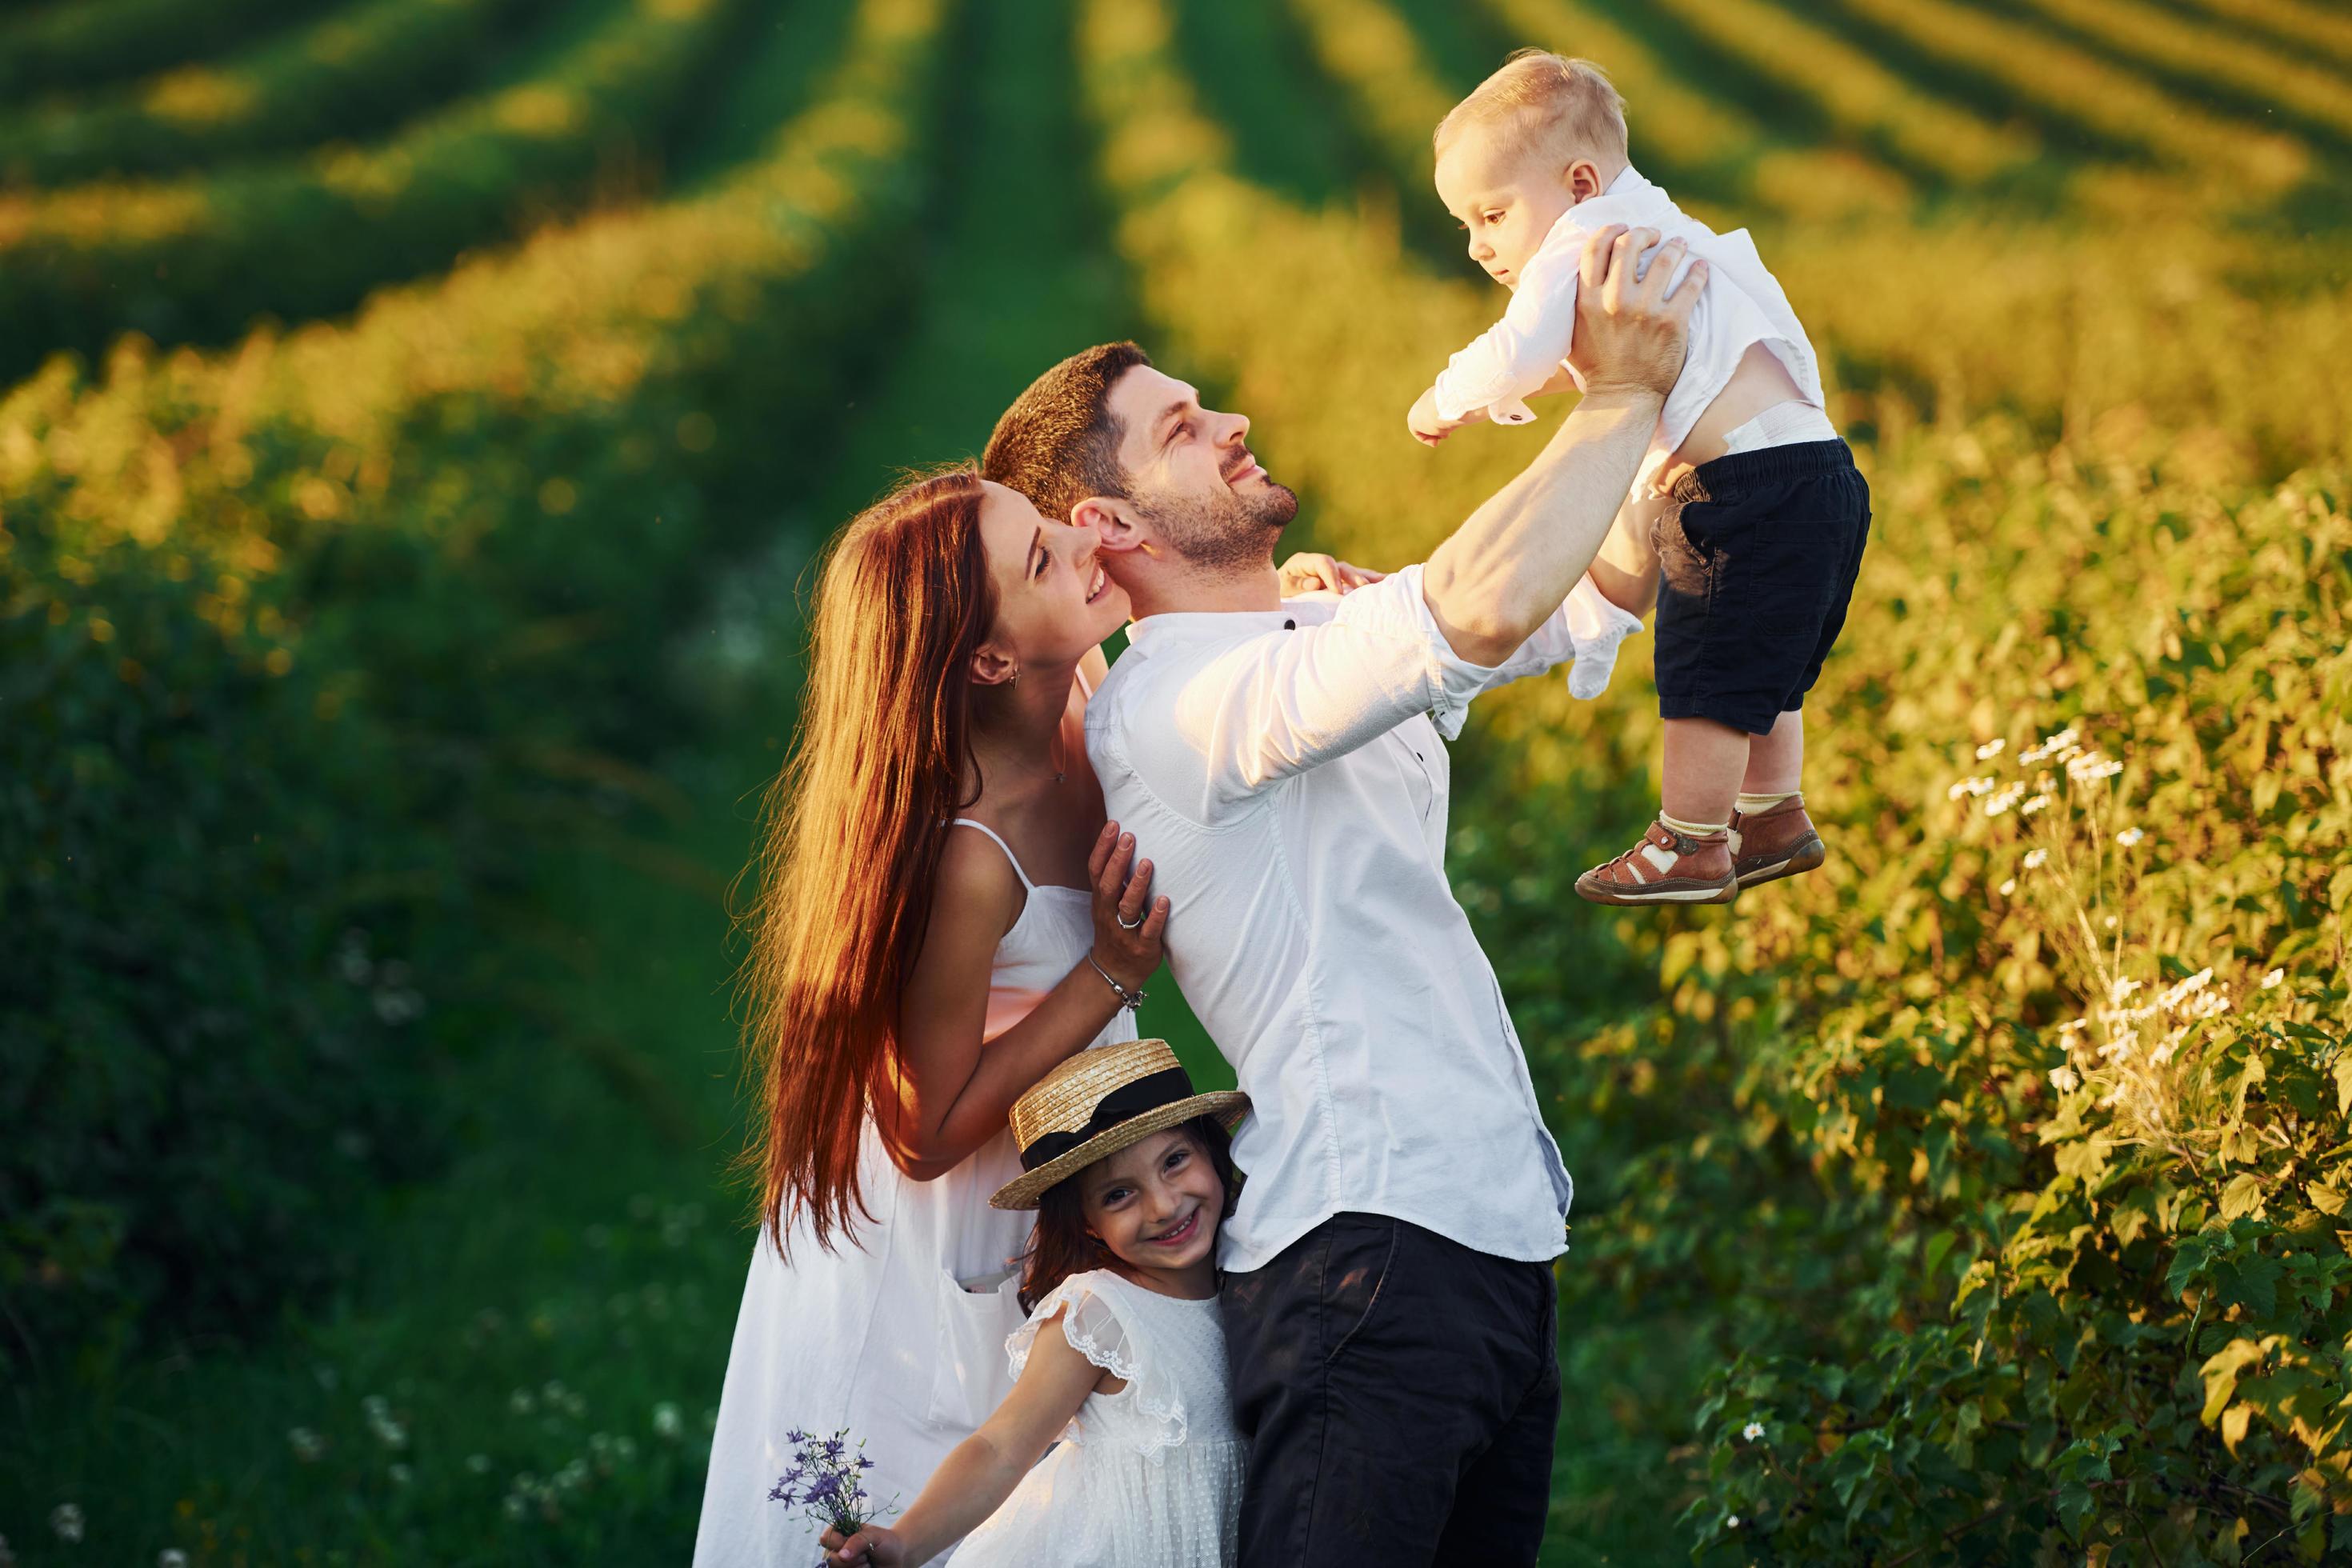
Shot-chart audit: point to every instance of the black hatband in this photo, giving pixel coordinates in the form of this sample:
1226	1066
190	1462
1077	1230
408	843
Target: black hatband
1124	1103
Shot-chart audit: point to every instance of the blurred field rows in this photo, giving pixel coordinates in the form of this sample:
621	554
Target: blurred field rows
344	75
463	533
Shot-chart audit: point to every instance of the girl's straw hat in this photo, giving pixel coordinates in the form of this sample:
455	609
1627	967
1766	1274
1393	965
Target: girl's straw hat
1096	1104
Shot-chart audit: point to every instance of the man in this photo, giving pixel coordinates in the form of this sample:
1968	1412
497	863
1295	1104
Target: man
1387	1299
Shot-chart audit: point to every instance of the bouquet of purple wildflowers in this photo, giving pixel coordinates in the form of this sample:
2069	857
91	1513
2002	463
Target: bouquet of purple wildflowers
827	1483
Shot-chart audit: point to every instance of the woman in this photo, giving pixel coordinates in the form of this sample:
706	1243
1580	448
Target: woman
944	915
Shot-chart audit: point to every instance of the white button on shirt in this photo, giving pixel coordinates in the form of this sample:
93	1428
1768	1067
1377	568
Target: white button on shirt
1286	772
1743	305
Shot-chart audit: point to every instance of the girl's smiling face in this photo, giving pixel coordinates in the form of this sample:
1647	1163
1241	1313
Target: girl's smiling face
1506	196
1156	1203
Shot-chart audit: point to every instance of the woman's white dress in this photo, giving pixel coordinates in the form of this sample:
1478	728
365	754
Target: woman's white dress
1149	1477
881	1335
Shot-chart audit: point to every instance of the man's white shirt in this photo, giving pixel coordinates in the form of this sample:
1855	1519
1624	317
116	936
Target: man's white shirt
1286	772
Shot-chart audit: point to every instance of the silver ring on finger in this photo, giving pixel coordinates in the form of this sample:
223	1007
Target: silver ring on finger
1135	924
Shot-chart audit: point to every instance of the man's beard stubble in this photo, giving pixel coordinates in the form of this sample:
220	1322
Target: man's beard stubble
1226	533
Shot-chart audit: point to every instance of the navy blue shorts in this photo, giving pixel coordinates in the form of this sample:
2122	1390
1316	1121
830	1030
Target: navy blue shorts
1756	568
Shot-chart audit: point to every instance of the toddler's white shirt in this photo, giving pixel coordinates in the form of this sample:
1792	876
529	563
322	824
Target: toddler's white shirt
1743	305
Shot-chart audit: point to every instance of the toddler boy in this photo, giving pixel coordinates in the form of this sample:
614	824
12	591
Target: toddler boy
1747	501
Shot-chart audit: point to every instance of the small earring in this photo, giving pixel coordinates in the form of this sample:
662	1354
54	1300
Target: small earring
1015	677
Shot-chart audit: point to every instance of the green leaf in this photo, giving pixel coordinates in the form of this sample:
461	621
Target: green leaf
2244	1195
2075	1501
2084	1159
2220	1372
2253	1282
2195	1252
1939	1246
2233	1426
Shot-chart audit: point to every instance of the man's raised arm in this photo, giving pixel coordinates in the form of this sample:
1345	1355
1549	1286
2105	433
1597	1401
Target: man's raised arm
1510	564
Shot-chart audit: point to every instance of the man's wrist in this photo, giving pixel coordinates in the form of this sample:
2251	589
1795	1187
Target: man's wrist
1601	397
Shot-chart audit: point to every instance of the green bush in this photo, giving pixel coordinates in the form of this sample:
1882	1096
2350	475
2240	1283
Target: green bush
351	74
396	607
199	260
2070	1053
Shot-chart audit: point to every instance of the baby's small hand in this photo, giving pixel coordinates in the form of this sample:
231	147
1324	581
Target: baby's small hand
1427	424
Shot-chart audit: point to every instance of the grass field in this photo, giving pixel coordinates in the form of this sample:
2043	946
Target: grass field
1977	1200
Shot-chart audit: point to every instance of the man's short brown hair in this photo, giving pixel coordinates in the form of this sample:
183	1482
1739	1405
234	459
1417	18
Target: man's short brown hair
1058	443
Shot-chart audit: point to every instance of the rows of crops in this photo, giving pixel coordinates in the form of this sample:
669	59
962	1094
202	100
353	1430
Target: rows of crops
304	638
347	75
1976	1198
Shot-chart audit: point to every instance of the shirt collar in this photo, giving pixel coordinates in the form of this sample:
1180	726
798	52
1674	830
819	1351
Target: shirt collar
1185	628
1629	182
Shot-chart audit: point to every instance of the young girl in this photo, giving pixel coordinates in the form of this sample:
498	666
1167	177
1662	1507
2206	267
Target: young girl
1122	1358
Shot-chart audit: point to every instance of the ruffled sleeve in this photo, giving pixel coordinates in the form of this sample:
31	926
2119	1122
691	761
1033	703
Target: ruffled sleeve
1103	1321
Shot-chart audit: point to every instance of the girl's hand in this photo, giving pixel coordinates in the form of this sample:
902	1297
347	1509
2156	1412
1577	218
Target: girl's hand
872	1544
1129	921
1308	572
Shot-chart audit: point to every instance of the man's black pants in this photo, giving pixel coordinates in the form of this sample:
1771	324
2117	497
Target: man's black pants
1400	1393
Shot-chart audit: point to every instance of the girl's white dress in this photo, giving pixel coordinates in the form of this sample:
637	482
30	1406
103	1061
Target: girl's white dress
898	1335
1149	1477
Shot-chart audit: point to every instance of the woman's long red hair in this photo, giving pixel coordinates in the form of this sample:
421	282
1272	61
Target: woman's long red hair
854	825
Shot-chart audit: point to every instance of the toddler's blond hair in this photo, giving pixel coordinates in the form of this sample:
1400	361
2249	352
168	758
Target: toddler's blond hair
1549	103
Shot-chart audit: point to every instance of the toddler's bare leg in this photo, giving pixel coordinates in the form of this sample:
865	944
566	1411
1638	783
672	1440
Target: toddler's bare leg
1776	763
1684	856
1705	765
1776	835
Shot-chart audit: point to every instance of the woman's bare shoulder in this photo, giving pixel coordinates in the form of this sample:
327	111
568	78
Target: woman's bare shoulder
976	882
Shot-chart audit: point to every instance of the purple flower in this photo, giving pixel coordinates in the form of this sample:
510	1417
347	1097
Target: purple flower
825	1481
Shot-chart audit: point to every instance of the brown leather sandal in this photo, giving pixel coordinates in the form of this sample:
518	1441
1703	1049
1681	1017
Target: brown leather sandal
1774	844
1665	867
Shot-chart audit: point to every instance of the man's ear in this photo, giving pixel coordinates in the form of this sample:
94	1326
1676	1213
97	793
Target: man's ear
1112	524
1583	180
992	666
